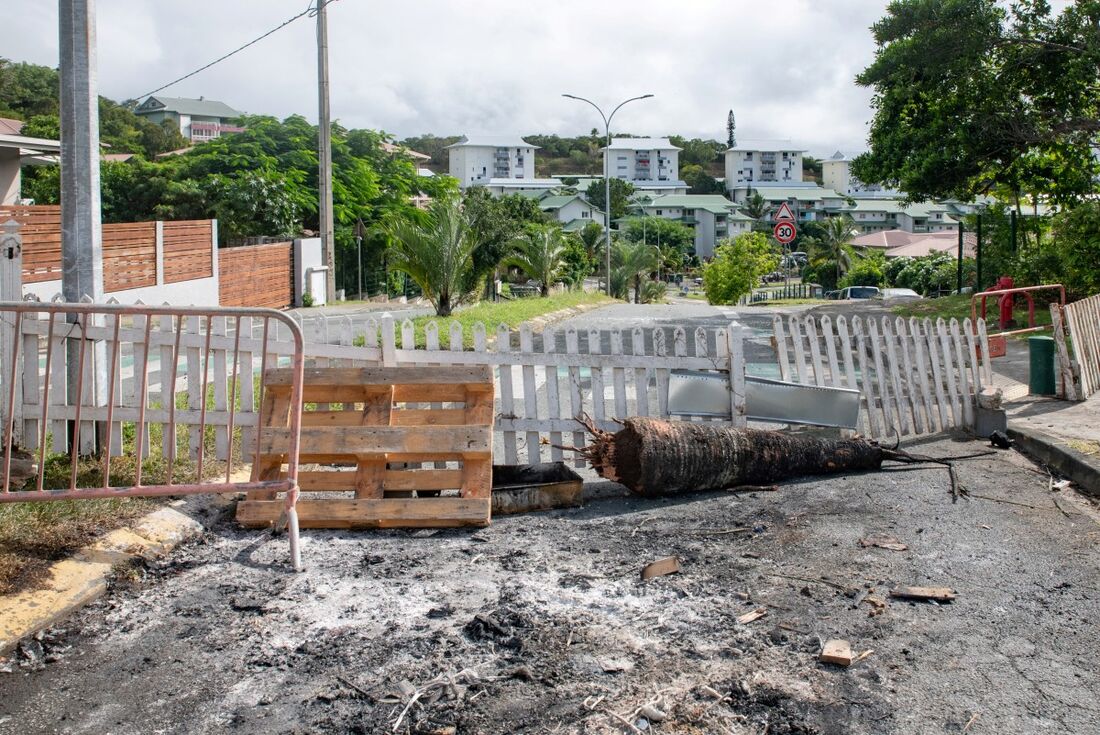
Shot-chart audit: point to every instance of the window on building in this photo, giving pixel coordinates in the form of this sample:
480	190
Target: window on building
748	156
585	214
660	212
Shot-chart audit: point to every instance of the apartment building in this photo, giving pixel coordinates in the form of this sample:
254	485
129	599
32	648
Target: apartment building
808	201
711	216
880	215
503	163
761	166
199	120
652	165
836	174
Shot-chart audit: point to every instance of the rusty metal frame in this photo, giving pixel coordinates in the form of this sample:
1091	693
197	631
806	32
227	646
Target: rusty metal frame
1026	291
76	318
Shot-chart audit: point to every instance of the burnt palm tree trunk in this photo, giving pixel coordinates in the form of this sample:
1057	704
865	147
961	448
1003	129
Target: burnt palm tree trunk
655	457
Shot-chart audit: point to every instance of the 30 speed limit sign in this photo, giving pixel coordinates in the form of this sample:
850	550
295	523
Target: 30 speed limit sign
785	232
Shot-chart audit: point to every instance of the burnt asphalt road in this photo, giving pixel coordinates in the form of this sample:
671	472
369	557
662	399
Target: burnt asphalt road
541	624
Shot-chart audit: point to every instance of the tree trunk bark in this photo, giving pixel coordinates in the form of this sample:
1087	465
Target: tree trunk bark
653	457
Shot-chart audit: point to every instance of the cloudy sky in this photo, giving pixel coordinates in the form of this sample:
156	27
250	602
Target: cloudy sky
786	67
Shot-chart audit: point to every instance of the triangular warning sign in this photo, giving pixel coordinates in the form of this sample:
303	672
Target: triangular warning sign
783	213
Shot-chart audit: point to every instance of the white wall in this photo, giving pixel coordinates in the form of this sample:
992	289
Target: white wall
199	292
748	163
835	175
308	260
10	178
474	165
622	164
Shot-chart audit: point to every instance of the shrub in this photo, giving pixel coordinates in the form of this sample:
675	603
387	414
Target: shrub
737	266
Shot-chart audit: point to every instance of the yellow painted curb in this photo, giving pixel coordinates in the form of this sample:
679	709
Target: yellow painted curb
77	581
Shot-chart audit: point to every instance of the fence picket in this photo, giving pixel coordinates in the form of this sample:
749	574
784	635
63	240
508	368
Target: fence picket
815	352
780	341
31	396
908	381
1080	352
891	423
942	403
530	396
922	372
246	387
139	393
59	383
866	382
893	373
830	351
618	376
553	401
735	360
431	342
221	399
964	387
983	342
167	388
576	396
660	374
194	364
799	353
949	372
972	357
846	350
641	374
598	392
507	403
1069	391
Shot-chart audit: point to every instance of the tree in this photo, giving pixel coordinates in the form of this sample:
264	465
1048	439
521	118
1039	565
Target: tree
630	261
540	253
975	94
577	261
731	130
699	181
867	270
496	222
620	196
438	254
756	207
660	231
832	244
590	236
1077	241
737	267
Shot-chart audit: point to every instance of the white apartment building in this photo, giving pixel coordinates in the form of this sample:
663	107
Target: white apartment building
711	216
505	164
652	165
757	166
836	174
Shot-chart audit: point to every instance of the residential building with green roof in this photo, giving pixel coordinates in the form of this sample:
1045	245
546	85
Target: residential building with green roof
711	216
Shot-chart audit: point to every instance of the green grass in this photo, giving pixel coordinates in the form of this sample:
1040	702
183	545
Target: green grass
958	307
790	302
491	314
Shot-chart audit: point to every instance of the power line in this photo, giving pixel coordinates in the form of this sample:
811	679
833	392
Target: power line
311	11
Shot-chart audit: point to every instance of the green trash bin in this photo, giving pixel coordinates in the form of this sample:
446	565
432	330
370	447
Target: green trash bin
1040	380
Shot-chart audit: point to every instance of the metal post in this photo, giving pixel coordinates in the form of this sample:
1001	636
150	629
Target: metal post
360	229
324	155
1012	226
959	276
978	257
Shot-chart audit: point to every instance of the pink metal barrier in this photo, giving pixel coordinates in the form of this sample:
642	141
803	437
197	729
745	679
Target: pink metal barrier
84	332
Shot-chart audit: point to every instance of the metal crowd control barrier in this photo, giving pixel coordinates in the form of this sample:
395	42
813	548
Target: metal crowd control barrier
1026	291
70	328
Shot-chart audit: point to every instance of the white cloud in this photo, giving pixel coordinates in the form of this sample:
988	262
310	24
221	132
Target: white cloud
446	67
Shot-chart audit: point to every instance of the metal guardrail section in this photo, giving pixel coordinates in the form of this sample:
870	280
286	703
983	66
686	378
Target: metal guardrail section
72	332
700	393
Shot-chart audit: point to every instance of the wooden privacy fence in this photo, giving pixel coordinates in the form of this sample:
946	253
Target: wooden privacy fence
1083	321
915	377
135	254
256	275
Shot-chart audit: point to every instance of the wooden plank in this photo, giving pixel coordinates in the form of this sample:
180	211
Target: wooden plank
846	353
1079	351
1069	391
736	356
780	343
371	513
167	388
470	377
194	365
477	477
507	400
890	422
641	374
553	398
530	396
939	594
139	389
972	357
815	352
30	396
937	374
835	379
983	343
221	397
246	388
59	381
431	342
965	390
661	373
836	651
576	396
363	440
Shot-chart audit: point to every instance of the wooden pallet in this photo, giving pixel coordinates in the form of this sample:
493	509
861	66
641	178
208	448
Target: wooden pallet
365	442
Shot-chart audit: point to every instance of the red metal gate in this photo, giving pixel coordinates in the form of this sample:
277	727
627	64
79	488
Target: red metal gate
92	417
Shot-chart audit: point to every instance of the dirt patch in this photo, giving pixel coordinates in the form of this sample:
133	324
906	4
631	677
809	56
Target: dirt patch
541	623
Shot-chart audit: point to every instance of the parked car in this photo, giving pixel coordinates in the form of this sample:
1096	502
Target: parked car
858	292
898	295
833	295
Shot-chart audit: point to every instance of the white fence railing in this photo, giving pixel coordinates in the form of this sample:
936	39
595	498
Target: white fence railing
915	377
1083	320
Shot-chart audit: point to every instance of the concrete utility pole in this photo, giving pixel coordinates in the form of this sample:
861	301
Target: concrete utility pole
607	176
81	228
324	153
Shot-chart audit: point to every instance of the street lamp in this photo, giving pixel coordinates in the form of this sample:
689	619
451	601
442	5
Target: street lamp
607	175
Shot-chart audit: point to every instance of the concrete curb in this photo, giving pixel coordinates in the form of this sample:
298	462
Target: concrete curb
82	578
541	322
1082	469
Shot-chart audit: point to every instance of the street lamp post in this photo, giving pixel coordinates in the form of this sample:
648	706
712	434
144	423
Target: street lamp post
607	176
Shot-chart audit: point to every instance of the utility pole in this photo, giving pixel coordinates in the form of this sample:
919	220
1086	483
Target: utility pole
324	153
81	228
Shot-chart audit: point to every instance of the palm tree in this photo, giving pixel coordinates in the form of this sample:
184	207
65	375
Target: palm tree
629	262
836	236
539	253
756	207
438	254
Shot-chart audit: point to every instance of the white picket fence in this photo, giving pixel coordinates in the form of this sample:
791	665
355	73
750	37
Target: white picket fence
1083	320
915	377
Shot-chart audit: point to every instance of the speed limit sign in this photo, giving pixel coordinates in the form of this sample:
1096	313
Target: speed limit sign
785	232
